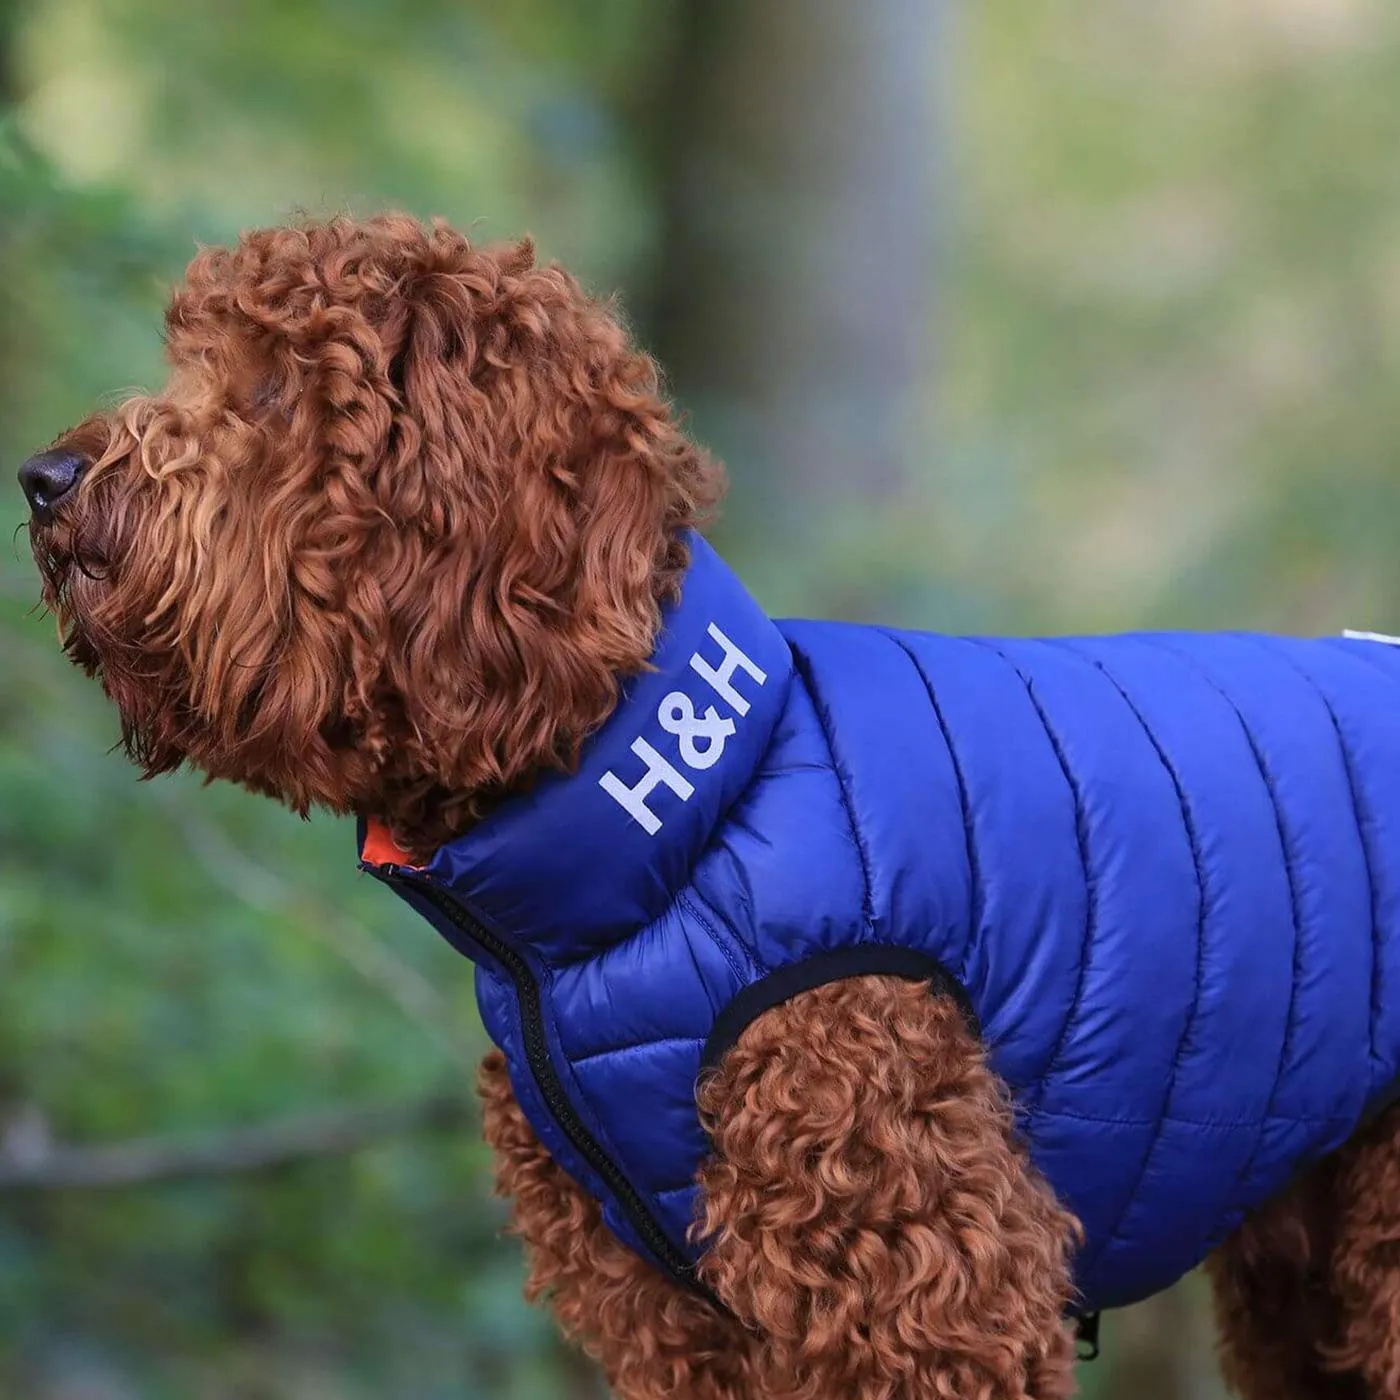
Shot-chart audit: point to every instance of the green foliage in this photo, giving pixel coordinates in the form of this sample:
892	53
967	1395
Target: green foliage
174	959
1173	350
1166	392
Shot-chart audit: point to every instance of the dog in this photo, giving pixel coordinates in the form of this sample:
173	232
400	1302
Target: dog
809	1080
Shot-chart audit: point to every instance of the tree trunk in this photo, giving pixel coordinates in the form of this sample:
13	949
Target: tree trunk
9	80
797	154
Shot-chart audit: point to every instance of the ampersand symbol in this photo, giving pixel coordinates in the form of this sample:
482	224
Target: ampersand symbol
678	717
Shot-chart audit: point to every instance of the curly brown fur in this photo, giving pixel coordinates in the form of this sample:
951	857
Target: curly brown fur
651	1337
387	541
875	1229
870	1211
1365	1262
1273	1304
1308	1291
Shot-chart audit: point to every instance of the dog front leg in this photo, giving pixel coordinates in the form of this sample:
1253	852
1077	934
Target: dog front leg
1365	1260
653	1339
869	1211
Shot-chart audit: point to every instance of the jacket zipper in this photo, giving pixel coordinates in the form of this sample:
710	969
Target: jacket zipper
547	1081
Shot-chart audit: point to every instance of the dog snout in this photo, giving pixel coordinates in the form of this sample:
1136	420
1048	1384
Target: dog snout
49	477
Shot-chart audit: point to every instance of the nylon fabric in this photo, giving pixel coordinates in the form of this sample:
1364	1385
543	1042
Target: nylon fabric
1163	868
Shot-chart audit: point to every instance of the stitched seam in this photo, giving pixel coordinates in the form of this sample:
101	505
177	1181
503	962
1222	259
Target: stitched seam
721	943
804	671
1090	884
633	1045
1193	839
1364	657
676	1190
593	954
1361	814
1288	1026
1367	658
973	864
1178	1122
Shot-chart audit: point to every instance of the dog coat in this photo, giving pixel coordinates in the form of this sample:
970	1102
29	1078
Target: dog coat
1162	871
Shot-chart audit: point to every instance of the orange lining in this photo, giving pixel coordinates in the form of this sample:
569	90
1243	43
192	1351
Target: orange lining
379	847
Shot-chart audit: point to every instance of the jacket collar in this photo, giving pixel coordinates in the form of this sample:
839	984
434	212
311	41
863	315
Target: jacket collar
583	860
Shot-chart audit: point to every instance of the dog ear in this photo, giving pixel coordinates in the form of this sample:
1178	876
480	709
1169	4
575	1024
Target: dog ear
471	499
538	486
869	1211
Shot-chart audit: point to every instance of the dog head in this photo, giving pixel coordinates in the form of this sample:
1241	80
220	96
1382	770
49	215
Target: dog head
401	518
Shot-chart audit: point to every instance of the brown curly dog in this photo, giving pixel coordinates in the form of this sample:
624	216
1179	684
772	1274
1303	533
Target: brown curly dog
266	565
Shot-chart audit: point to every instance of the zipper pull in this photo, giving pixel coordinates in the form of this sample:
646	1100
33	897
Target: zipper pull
1086	1336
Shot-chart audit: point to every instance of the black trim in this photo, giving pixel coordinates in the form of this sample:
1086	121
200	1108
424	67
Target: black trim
664	1253
862	960
872	959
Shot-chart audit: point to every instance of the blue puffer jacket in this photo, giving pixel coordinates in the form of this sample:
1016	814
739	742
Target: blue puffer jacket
1164	869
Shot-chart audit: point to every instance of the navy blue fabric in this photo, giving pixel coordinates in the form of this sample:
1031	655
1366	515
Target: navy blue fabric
1165	869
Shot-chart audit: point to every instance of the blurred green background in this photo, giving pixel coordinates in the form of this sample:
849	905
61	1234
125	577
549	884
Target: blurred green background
1005	317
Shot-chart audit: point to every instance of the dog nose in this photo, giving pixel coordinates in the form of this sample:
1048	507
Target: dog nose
48	478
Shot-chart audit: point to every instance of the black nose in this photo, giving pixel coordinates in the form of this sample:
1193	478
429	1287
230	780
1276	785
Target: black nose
48	478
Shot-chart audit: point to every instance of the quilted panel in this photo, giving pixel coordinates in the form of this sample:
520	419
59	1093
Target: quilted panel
1135	862
1123	1265
785	869
656	1081
1015	791
901	793
1176	938
1166	869
1224	1062
1297	756
1360	681
666	982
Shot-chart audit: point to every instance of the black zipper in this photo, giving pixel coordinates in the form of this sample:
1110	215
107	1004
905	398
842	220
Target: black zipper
547	1079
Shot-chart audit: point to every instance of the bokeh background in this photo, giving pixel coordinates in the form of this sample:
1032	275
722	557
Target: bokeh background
1009	316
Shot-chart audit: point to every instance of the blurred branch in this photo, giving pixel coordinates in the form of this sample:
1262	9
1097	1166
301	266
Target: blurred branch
220	1152
261	889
